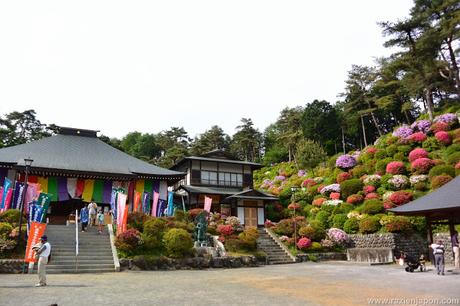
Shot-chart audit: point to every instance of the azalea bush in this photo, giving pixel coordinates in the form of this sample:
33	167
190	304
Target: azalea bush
350	187
439	126
401	197
422	165
403	131
129	241
440	180
443	138
398	182
345	161
338	236
417	153
303	243
225	230
421	126
355	199
395	167
343	176
373	179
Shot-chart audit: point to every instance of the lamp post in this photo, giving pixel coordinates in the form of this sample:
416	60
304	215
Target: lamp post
28	162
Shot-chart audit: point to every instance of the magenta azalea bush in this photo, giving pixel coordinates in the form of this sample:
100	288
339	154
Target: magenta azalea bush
345	161
443	137
301	173
395	167
417	137
422	165
417	153
338	236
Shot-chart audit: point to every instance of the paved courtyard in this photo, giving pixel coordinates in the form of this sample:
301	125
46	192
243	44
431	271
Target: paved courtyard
337	283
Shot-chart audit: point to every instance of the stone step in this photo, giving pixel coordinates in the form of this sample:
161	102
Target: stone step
72	271
72	261
51	266
82	257
280	262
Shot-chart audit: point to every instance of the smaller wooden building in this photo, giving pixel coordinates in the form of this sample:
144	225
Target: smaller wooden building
229	182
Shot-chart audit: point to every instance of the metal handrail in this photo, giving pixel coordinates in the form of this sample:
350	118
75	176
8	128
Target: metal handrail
76	240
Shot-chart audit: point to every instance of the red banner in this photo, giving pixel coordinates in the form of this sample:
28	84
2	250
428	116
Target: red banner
36	232
137	200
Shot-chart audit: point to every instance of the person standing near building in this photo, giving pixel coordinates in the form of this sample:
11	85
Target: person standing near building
100	220
84	215
455	249
43	251
438	251
92	213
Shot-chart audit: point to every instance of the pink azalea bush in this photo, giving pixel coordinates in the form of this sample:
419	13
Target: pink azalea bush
395	167
443	137
371	196
343	177
338	236
334	195
318	202
417	153
439	126
355	199
308	182
422	165
368	189
401	197
304	243
417	137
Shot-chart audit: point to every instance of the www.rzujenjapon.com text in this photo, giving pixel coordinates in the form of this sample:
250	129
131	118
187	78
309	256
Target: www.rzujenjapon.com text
413	301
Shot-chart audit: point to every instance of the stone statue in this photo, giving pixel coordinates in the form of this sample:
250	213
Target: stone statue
201	228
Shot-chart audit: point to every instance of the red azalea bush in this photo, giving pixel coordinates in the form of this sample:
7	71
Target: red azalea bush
303	243
368	189
401	197
355	199
443	137
417	153
194	212
128	241
417	137
320	187
268	224
371	196
457	166
439	126
343	177
395	167
318	202
398	224
225	230
388	204
422	165
334	195
308	183
294	206
371	150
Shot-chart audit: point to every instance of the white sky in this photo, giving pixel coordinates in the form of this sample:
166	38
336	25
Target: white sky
121	66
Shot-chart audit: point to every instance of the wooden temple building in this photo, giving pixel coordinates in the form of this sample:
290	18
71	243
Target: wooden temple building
75	167
229	182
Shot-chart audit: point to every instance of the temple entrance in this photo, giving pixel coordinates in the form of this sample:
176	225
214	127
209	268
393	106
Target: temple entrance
60	211
250	217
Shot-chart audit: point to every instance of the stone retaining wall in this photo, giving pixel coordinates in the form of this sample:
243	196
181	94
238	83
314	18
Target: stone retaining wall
411	243
164	263
321	256
11	266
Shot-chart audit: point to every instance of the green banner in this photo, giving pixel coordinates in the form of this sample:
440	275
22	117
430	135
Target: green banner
44	200
53	188
98	190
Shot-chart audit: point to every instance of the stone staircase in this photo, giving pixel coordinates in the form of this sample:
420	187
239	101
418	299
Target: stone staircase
275	253
95	253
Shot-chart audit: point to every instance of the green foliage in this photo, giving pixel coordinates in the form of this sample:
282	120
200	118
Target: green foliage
453	158
369	225
284	227
180	215
136	220
323	218
381	165
439	181
11	216
349	187
339	220
373	207
5	230
285	196
442	169
310	154
248	239
431	144
178	242
351	226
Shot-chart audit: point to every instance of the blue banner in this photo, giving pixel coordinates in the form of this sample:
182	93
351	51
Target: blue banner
146	203
170	204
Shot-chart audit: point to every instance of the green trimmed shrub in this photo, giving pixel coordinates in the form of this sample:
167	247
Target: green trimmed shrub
452	149
285	196
358	171
5	230
442	169
339	220
380	154
315	247
284	227
453	158
398	224
351	226
137	219
372	207
314	231
323	217
405	149
381	165
11	216
180	215
248	238
155	227
392	150
178	242
440	180
349	187
369	225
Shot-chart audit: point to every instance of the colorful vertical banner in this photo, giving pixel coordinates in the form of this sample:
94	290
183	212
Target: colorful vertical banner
146	202
113	204
156	197
98	190
43	181
148	186
71	187
80	188
6	188
36	232
207	203
88	191
161	208
170	204
44	200
32	179
140	185
122	209
3	174
63	193
18	197
32	192
53	188
107	193
163	190
1	194
137	201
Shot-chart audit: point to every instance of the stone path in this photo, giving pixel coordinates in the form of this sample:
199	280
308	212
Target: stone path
336	283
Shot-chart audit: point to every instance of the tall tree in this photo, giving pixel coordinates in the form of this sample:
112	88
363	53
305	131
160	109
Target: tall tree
290	129
247	141
212	139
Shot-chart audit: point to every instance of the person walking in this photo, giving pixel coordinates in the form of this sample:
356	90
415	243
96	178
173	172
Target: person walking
438	251
100	220
84	215
455	249
92	213
43	251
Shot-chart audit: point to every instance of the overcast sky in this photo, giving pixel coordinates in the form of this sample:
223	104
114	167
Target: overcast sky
121	66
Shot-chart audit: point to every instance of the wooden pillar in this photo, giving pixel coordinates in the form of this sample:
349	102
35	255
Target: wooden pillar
430	239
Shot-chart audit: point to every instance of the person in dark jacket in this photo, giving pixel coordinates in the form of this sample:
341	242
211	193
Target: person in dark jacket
84	217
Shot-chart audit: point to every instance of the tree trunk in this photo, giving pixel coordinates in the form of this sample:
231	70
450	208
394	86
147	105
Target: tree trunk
429	102
364	131
290	153
343	141
453	61
407	117
376	124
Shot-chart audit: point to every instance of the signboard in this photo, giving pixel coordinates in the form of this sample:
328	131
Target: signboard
36	232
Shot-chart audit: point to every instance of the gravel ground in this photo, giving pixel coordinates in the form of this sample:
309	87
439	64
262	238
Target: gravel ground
330	283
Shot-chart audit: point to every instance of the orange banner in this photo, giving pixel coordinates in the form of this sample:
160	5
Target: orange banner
36	232
137	200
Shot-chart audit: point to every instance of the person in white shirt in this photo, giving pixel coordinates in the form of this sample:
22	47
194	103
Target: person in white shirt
438	252
92	207
43	251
